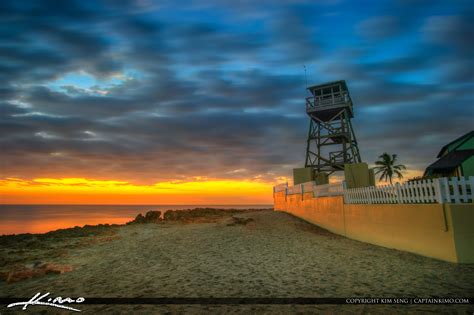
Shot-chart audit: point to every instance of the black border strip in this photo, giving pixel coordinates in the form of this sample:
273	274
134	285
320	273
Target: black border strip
240	301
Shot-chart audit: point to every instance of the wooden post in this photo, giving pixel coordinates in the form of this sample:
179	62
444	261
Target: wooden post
347	198
416	192
397	187
463	184
430	190
447	193
423	193
454	181
438	191
471	184
401	190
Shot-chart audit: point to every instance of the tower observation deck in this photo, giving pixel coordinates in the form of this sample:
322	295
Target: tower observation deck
331	140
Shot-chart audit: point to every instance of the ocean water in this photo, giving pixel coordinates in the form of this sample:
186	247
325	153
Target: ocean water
16	219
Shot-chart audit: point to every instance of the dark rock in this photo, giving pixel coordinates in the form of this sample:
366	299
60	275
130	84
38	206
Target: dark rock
171	215
150	217
153	216
139	219
37	264
240	221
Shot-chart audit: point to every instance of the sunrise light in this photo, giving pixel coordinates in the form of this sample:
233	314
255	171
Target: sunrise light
92	191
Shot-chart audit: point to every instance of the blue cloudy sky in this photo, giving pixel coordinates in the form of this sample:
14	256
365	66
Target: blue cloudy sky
147	91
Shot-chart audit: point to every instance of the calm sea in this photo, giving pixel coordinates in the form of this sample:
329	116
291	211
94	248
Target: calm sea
16	219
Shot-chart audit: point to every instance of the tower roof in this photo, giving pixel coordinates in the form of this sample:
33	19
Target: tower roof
342	83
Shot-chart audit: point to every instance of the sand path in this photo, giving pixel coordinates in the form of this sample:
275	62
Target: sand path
277	255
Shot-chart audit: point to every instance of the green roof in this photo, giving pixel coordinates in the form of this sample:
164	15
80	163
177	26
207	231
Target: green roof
461	140
451	160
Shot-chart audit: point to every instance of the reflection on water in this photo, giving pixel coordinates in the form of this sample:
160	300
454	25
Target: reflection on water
15	219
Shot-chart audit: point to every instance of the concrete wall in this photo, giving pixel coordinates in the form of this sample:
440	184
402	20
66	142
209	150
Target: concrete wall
435	230
358	175
462	220
303	175
326	212
416	228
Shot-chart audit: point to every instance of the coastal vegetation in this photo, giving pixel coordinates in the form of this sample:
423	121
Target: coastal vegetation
387	167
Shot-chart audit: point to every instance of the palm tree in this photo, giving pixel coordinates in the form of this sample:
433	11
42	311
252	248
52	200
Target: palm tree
387	167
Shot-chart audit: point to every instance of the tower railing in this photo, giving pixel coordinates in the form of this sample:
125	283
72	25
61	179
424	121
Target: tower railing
327	100
336	156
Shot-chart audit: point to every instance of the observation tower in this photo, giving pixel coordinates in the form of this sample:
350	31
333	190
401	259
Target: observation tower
331	140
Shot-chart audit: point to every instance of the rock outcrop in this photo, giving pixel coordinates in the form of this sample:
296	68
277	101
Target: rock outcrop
150	217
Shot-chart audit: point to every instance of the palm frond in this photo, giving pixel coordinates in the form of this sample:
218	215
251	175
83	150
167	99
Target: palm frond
387	168
400	167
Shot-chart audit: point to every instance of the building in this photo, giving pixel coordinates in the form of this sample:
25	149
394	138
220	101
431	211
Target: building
455	158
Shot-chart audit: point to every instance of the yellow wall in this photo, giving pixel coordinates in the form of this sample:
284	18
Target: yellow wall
416	228
440	231
462	217
325	212
279	201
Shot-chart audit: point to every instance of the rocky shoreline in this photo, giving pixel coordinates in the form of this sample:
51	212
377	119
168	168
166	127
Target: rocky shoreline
196	215
22	255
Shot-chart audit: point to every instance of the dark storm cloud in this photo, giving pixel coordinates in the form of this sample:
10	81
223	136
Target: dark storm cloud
203	42
456	30
214	144
45	39
403	64
387	93
295	34
261	90
215	90
452	34
380	27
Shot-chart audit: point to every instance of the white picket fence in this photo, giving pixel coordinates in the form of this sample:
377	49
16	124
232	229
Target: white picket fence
318	190
280	187
336	189
439	190
296	189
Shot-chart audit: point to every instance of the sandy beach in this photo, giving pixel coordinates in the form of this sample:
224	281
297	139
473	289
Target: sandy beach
272	255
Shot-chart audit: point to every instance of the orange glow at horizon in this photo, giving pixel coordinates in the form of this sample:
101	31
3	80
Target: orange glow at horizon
89	191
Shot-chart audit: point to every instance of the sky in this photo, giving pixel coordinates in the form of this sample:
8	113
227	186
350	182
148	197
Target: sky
201	102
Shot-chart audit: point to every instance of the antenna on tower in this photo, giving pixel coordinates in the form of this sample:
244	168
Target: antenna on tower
305	77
